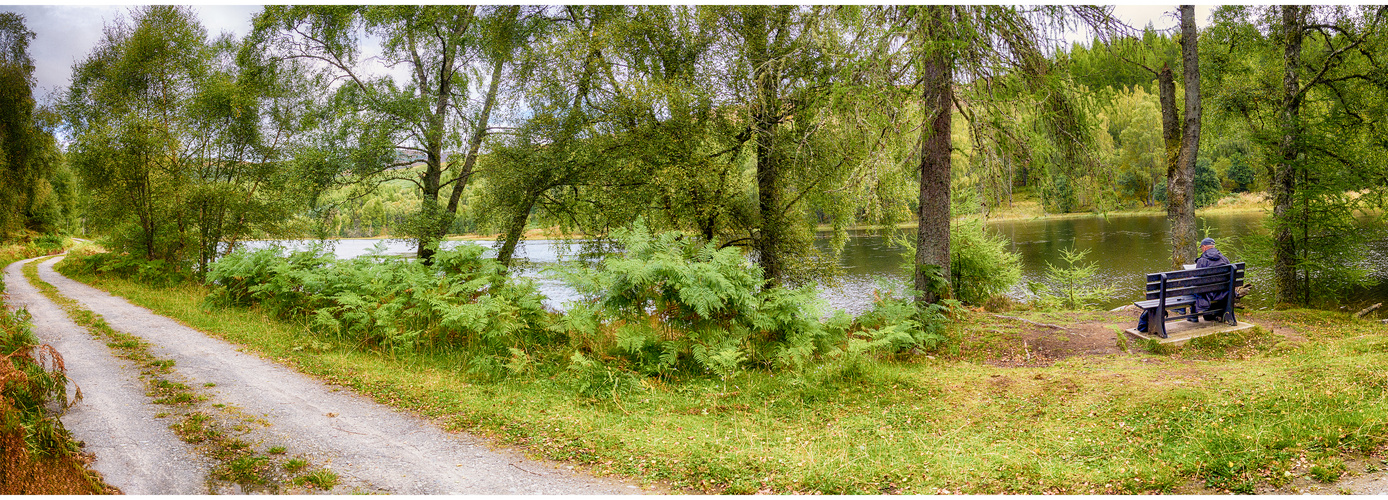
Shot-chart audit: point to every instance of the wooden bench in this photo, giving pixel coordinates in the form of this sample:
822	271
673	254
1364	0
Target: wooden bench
1175	289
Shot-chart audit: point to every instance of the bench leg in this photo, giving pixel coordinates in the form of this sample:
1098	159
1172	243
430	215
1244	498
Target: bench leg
1229	319
1161	328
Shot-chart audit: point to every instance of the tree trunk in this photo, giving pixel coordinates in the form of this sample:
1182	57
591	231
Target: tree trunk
475	142
514	230
1284	172
765	118
479	132
933	214
1180	213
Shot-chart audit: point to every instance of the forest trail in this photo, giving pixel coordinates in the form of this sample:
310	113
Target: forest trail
371	447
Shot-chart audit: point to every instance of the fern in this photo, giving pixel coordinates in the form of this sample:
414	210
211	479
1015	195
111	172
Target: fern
395	304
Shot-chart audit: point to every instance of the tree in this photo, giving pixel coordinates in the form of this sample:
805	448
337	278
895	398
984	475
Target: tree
426	120
715	120
169	139
1181	136
982	41
779	74
125	110
1306	82
34	192
1180	177
937	100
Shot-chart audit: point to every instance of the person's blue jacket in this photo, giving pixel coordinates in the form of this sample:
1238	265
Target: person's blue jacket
1210	258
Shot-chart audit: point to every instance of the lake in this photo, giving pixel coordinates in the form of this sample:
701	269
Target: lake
1125	248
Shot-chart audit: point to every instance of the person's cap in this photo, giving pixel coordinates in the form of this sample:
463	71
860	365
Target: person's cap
1207	242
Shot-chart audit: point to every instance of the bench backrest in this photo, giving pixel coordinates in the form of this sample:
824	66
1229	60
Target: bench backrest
1193	281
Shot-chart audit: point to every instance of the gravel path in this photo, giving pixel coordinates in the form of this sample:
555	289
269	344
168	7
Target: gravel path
135	451
372	448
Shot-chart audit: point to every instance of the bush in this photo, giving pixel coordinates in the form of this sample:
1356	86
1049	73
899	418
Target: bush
981	266
1208	189
898	324
31	376
125	266
394	303
47	244
1241	173
672	303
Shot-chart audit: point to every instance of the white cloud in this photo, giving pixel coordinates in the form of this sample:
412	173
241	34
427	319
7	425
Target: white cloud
65	34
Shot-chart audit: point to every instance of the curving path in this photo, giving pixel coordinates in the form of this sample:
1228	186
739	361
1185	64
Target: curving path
373	448
136	451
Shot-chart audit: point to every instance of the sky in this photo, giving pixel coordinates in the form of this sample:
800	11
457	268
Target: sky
65	34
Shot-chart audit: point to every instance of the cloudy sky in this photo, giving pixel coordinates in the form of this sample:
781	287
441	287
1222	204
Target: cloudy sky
66	33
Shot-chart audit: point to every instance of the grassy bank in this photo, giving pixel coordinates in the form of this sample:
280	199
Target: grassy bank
1301	401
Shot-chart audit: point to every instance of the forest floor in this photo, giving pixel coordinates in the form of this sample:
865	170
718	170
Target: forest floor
251	425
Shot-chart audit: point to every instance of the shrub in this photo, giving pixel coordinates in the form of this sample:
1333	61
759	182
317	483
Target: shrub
156	273
31	377
896	324
980	265
395	303
1072	286
673	303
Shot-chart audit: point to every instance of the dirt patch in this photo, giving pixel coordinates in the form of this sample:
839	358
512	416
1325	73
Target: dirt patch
1020	342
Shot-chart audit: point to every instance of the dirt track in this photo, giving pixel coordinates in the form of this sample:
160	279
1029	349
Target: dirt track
371	447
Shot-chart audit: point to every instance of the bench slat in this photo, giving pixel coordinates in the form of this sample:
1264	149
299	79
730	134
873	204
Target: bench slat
1183	300
1192	290
1187	273
1204	280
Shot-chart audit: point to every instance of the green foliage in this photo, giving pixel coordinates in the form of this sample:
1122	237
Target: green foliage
1207	186
125	266
898	324
981	265
1328	470
322	479
36	188
1072	286
397	304
674	303
1241	173
177	143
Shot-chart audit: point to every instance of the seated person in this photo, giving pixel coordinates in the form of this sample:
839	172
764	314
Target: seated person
1209	257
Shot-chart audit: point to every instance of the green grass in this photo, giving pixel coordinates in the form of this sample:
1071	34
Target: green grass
322	479
295	465
1229	413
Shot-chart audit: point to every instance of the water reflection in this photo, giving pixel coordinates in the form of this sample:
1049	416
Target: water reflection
1124	247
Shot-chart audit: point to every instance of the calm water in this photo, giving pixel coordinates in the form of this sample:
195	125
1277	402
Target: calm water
1124	247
